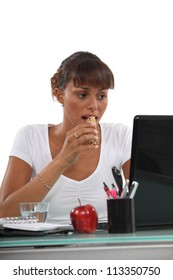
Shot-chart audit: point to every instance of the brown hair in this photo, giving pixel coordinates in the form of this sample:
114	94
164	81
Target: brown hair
83	68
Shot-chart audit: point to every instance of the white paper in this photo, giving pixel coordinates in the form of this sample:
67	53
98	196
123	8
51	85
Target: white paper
37	226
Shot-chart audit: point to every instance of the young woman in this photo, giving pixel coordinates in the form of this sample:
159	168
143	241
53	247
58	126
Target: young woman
61	163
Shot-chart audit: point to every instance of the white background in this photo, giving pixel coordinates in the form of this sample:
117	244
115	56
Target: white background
134	37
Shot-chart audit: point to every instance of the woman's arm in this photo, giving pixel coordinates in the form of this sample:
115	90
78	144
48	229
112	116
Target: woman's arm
17	185
126	169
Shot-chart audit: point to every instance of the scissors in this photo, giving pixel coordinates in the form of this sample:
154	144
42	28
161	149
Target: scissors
118	178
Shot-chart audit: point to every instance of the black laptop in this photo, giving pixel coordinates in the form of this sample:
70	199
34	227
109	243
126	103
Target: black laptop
152	167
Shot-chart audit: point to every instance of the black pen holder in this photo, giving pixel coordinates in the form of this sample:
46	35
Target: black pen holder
121	215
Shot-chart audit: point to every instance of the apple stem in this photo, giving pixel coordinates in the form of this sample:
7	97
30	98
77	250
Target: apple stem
79	201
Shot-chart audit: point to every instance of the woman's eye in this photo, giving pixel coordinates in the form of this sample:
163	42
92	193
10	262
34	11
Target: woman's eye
102	96
81	94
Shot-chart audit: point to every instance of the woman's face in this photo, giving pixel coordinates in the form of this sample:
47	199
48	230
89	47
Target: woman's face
82	102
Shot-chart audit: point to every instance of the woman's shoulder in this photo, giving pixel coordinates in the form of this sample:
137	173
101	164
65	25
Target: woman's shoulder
114	127
116	132
117	138
33	128
32	131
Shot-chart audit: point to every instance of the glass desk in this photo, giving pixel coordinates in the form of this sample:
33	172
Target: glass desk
148	244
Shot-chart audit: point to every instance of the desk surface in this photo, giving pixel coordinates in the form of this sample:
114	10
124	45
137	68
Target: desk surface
100	237
153	244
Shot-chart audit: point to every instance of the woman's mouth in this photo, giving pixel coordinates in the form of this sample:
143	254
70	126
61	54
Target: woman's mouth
89	119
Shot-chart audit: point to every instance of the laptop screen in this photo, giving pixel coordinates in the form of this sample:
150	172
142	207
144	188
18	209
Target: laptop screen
152	167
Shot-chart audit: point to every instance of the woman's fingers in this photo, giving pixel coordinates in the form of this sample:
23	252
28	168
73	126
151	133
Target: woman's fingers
83	135
79	139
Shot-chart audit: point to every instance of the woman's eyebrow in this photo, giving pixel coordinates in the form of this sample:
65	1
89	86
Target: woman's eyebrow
87	88
83	87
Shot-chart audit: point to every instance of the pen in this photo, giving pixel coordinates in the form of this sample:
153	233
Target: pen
106	190
110	193
116	188
113	193
118	178
133	189
125	189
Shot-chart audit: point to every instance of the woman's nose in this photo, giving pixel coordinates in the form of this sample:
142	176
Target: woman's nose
92	103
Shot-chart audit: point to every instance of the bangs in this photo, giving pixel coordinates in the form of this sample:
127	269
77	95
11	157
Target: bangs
94	73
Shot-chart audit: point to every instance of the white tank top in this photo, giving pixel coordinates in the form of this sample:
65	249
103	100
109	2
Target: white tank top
32	145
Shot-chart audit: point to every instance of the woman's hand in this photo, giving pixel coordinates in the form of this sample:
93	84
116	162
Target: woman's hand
80	139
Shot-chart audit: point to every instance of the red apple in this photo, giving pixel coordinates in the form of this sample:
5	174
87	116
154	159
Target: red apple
84	218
